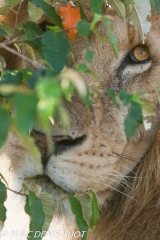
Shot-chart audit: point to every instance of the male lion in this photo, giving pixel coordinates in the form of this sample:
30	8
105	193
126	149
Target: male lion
95	154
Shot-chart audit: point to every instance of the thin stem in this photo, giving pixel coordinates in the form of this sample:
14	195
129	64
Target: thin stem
18	193
16	21
34	63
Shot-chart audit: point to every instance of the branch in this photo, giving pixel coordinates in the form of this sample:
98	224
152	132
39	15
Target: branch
34	63
16	21
19	193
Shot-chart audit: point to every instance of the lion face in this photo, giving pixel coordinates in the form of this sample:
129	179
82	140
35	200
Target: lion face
95	153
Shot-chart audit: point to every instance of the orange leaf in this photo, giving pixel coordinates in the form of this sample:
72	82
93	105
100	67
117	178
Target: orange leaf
70	16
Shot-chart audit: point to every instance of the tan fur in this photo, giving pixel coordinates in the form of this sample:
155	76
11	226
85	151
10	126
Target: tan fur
127	187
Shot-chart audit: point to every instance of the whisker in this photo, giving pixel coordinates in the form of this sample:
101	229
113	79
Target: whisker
122	156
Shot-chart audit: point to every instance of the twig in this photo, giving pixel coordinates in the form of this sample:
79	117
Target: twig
7	42
14	35
18	193
34	63
19	7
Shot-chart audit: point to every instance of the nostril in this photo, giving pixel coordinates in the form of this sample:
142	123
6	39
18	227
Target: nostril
65	144
61	144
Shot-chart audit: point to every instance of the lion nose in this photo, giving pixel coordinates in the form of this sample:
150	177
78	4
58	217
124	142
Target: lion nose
61	144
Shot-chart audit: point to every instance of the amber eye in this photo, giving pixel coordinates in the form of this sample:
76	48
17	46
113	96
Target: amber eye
139	54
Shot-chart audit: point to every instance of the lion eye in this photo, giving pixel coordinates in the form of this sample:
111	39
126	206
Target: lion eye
139	54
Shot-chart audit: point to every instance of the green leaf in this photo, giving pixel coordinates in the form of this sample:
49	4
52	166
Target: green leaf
2	63
97	17
25	106
77	211
49	93
111	36
49	11
48	209
83	15
96	6
148	108
68	90
95	210
83	28
113	96
8	4
33	208
133	119
125	97
8	28
3	33
86	204
138	13
27	74
83	67
3	195
32	81
11	77
31	30
118	7
35	13
56	49
89	54
156	5
4	125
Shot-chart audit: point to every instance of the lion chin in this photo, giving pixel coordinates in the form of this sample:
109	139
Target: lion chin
95	153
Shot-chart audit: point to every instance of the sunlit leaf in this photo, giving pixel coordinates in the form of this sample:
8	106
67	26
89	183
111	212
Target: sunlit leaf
118	6
138	13
7	5
69	75
97	17
49	11
148	108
